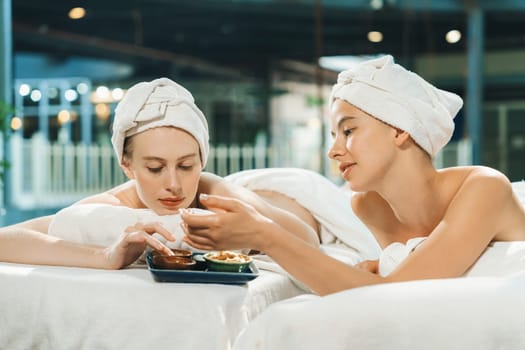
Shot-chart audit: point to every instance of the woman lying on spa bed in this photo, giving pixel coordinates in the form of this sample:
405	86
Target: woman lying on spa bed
161	140
387	123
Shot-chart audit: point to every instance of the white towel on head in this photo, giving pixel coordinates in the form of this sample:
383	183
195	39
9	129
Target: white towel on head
402	99
161	102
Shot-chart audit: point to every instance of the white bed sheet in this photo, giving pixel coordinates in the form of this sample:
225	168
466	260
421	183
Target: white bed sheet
484	311
45	307
481	313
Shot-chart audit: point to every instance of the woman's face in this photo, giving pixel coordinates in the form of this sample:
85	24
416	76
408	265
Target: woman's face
166	165
360	145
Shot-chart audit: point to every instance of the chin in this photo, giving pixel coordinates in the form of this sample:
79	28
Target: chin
159	210
354	186
166	211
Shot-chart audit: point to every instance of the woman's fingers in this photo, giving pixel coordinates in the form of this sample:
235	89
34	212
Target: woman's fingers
369	265
145	238
156	227
198	220
220	202
198	243
155	244
151	228
196	233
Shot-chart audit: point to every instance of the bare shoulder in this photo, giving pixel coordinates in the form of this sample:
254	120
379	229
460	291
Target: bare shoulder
483	196
213	184
210	178
124	194
481	181
100	198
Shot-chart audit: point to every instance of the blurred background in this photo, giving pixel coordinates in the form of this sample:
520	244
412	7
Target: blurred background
261	71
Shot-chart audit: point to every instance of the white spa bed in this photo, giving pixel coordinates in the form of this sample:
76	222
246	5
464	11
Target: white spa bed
485	310
44	307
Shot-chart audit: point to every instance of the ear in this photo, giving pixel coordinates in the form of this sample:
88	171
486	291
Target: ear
127	169
401	137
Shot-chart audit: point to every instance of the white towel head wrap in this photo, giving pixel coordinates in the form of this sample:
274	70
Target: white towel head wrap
161	102
401	99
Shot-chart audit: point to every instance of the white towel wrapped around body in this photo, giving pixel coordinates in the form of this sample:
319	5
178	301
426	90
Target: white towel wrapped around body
102	224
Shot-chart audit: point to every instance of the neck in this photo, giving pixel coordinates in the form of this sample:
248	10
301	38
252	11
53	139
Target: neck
410	188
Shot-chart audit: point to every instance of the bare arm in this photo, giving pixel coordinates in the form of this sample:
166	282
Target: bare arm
290	222
242	226
28	242
470	223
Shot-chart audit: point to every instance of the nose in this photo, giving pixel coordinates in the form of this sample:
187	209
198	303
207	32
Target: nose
336	150
172	183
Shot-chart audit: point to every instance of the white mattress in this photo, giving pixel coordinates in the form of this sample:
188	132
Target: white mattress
478	313
483	310
45	307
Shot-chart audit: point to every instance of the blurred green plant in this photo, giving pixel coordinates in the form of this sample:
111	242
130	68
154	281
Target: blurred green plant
6	112
314	101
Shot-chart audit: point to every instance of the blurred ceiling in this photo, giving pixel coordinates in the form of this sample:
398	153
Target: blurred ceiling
247	37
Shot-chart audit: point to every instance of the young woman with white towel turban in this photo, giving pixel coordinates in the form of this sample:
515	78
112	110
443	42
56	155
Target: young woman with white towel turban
161	141
387	124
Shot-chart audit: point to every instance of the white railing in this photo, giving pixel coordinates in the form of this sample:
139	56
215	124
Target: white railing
52	175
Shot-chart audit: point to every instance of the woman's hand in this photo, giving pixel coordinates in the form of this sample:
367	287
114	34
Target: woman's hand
235	225
369	265
132	243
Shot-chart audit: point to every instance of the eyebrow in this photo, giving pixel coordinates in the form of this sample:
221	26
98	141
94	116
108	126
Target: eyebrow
344	119
184	157
341	121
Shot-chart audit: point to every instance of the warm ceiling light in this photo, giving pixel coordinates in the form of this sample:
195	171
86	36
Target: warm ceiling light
375	37
63	116
117	94
102	93
102	111
16	123
453	36
82	88
35	95
71	95
376	4
24	90
77	13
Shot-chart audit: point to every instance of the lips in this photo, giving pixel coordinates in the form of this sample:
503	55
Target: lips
345	168
171	202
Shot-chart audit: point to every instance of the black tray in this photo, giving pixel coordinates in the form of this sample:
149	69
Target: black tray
198	276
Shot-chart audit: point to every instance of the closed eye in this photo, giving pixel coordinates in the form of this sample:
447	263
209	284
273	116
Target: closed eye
186	167
155	170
